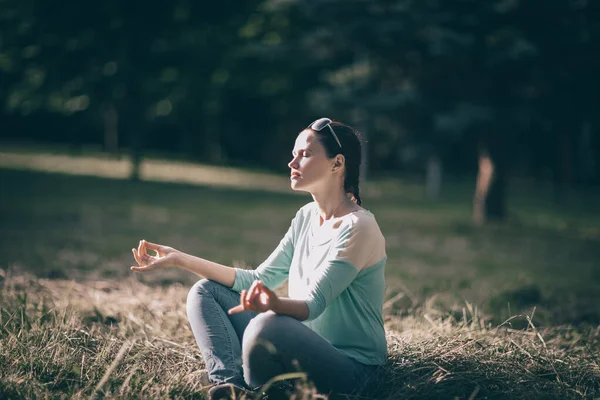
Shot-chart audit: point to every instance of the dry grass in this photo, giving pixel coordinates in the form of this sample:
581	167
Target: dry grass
508	311
66	339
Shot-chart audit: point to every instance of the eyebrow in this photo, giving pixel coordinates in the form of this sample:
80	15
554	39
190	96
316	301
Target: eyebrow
305	149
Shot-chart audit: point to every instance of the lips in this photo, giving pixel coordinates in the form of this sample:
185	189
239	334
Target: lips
294	175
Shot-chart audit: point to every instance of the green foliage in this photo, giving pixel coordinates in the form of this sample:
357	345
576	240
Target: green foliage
211	81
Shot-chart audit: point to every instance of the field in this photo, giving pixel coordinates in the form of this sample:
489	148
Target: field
509	310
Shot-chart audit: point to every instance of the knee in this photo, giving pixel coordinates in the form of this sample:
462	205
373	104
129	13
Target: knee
260	348
265	331
200	290
261	327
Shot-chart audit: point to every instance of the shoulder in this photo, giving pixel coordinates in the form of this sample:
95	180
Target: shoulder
360	240
304	213
363	227
306	210
362	221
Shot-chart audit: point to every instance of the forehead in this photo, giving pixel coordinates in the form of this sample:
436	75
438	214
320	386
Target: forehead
306	140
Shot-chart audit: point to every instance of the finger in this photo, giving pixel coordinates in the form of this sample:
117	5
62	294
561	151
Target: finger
145	244
143	259
242	298
145	268
264	298
153	246
246	299
259	291
236	309
145	250
266	290
252	290
254	295
147	263
137	257
253	285
140	249
260	285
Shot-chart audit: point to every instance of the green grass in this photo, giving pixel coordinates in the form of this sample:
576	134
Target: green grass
71	309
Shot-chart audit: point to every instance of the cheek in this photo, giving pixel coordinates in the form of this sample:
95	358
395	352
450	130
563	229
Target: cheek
313	166
308	164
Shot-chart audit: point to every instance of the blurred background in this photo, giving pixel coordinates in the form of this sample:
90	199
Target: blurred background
472	113
437	87
174	122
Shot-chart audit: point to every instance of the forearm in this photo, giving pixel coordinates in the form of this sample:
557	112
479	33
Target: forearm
207	269
291	307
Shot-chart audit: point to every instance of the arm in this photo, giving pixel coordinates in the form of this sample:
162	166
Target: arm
260	298
292	308
355	246
207	269
337	274
170	257
273	271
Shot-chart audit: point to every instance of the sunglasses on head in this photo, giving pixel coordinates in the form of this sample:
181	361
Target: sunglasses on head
320	124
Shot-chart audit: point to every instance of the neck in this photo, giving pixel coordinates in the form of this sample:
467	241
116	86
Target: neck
331	204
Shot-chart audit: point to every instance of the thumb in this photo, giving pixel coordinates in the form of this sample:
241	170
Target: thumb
264	297
145	268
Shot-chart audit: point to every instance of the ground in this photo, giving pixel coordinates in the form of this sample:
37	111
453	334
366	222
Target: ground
510	310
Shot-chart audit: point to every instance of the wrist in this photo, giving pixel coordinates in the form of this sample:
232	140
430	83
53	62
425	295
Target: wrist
179	259
276	305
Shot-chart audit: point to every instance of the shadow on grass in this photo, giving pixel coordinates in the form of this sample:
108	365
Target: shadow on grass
469	377
64	343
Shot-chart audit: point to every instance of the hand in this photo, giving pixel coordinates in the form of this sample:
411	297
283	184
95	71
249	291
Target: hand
164	256
257	298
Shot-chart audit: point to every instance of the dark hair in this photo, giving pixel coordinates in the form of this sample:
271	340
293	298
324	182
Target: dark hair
351	142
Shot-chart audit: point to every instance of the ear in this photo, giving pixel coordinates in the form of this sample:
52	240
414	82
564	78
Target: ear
338	163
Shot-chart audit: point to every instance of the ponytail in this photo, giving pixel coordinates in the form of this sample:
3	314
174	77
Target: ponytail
350	145
351	181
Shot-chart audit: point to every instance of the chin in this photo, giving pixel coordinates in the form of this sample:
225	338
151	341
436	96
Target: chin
298	188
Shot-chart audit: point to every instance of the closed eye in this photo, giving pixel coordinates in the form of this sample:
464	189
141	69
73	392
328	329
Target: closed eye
302	153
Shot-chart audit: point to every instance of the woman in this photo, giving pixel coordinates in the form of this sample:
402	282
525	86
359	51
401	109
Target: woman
333	255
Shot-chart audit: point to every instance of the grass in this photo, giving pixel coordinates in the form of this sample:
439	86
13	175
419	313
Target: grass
507	311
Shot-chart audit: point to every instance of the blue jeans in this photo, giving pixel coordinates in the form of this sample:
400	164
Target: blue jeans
234	351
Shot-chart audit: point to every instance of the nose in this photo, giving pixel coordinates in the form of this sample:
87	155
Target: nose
294	163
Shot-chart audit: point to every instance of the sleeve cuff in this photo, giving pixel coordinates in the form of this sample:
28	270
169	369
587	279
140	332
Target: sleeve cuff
314	309
243	279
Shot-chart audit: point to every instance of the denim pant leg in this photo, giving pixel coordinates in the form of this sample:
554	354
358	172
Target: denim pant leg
275	344
218	334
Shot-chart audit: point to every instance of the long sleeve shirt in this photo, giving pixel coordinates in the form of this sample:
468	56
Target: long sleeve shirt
337	268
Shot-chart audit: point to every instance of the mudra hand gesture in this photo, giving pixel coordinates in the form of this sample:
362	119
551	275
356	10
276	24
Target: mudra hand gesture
257	298
164	256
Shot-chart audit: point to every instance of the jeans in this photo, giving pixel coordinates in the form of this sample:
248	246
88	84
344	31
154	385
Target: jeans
247	349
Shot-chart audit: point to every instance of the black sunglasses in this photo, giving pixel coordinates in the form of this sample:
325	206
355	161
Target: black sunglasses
320	124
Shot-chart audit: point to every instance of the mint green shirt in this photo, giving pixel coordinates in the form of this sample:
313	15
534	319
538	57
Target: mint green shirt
338	269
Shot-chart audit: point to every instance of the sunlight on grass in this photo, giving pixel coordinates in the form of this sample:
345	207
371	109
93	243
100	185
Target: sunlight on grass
98	164
125	339
507	310
150	170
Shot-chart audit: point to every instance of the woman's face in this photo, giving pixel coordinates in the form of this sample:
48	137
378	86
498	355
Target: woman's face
310	167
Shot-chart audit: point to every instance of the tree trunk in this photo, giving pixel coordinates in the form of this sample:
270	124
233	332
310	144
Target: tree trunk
490	190
433	179
212	144
585	153
563	169
75	134
111	130
136	154
135	134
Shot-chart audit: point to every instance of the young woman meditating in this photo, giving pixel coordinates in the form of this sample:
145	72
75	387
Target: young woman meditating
333	255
